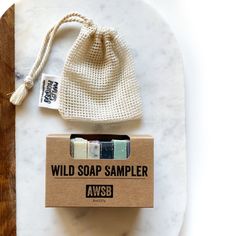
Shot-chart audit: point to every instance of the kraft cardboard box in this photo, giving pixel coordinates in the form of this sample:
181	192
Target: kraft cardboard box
99	183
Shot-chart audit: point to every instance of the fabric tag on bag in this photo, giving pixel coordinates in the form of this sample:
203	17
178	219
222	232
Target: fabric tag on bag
49	91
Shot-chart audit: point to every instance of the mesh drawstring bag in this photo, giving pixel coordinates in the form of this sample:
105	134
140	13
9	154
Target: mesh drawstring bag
98	81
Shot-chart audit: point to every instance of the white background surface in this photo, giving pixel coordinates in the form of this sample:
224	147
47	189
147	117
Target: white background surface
206	33
162	83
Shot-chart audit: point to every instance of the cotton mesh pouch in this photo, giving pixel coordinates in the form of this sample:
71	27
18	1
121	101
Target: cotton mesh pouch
98	81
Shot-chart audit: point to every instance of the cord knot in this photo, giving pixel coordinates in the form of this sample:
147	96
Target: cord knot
28	81
88	22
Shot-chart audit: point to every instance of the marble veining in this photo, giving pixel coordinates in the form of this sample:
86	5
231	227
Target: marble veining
159	71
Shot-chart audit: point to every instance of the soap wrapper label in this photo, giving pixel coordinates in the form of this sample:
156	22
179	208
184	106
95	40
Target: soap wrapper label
49	91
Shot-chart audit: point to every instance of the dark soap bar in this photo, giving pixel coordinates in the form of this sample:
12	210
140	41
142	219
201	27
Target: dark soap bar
106	150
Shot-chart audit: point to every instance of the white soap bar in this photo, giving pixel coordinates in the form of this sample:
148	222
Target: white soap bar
93	150
80	148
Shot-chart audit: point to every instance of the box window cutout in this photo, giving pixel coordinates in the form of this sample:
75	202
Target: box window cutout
99	147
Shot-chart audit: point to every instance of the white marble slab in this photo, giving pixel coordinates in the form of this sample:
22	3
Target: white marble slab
160	72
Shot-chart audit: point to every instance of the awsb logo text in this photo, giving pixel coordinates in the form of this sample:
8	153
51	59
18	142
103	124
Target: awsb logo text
99	191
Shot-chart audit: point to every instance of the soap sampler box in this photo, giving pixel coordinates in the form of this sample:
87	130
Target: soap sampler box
109	182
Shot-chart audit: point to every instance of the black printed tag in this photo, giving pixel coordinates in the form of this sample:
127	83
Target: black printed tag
49	91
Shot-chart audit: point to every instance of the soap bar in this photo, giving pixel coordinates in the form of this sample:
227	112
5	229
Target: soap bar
80	148
120	149
93	150
106	150
72	148
128	148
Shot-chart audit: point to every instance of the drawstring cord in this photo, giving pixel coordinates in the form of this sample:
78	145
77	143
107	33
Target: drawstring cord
21	92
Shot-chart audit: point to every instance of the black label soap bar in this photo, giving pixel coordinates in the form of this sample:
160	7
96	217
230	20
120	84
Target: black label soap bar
106	150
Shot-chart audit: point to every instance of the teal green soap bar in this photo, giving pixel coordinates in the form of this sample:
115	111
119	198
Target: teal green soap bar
120	149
